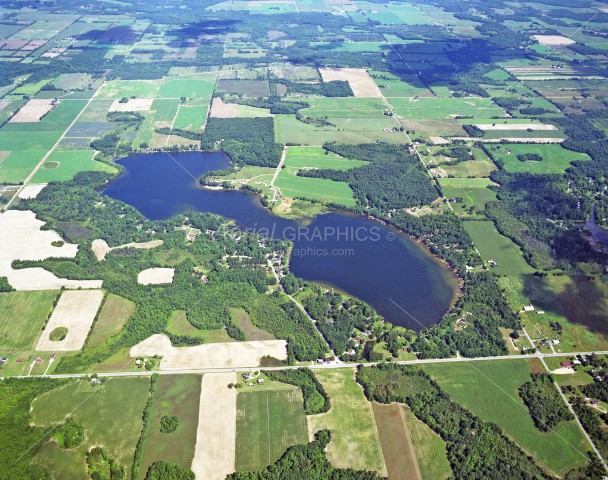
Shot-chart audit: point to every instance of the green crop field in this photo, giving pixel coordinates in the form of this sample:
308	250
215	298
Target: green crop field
64	165
17	165
555	157
435	108
111	415
490	390
474	192
470	168
22	316
493	246
320	189
268	423
185	87
315	157
191	117
176	395
114	314
355	442
117	89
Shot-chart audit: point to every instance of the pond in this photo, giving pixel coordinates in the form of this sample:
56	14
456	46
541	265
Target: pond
357	255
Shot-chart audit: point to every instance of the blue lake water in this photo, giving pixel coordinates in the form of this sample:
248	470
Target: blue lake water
360	256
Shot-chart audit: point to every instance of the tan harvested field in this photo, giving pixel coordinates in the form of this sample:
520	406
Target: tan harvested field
31	190
211	355
516	126
396	441
215	451
439	141
75	311
101	248
360	82
219	109
133	105
22	239
155	276
33	110
554	40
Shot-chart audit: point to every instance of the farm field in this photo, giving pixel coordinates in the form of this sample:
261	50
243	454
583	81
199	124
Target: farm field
493	246
111	416
469	192
15	166
176	395
470	168
179	325
577	303
315	157
268	423
63	166
433	108
241	318
490	390
320	189
429	449
22	316
555	158
114	314
355	442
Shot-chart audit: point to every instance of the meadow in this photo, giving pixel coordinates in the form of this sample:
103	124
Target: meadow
62	166
429	449
111	417
470	168
490	391
315	157
355	442
268	422
493	246
434	108
15	166
473	192
114	314
176	395
320	189
22	316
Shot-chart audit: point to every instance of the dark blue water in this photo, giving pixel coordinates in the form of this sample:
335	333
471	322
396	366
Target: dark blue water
360	256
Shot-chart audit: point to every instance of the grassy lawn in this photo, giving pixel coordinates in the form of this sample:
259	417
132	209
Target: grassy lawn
490	390
555	158
62	166
111	415
579	304
474	192
114	314
17	165
22	316
493	246
429	449
176	395
355	442
268	423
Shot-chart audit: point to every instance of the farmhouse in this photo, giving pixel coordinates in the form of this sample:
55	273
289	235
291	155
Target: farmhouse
566	364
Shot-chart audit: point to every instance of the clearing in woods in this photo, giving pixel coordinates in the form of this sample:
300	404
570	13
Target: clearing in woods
268	422
396	441
176	395
215	451
75	311
22	316
354	438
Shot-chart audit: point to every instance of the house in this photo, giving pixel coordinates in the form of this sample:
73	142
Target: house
555	342
138	363
3	361
327	361
95	381
246	376
566	364
528	308
260	381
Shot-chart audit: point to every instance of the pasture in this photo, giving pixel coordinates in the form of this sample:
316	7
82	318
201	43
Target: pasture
555	158
470	168
268	423
114	314
111	415
429	449
323	190
355	442
62	166
490	390
176	395
493	246
22	316
316	157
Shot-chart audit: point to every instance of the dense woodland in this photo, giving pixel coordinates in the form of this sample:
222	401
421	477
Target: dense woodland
546	407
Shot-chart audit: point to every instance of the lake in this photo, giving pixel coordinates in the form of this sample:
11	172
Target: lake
357	255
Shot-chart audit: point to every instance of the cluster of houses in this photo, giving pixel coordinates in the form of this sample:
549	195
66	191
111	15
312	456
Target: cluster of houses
247	378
